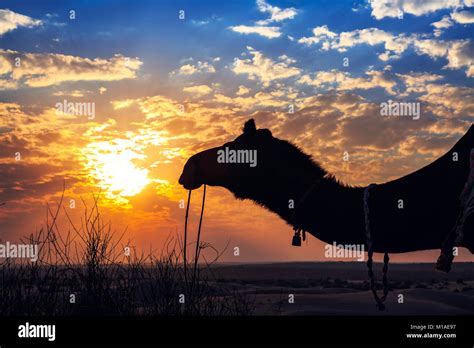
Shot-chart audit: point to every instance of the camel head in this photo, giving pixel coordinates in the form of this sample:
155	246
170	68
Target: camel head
238	160
254	161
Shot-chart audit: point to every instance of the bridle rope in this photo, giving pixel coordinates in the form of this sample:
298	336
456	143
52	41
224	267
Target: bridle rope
185	261
196	255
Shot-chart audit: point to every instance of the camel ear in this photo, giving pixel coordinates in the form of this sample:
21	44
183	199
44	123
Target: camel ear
250	127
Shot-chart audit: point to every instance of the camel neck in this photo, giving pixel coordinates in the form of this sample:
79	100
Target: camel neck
330	211
334	213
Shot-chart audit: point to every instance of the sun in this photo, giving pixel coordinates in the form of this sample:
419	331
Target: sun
111	165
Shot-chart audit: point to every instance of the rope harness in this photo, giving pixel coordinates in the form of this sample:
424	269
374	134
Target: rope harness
370	252
298	230
456	234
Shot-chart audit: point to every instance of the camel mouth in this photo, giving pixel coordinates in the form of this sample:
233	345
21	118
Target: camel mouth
188	184
188	177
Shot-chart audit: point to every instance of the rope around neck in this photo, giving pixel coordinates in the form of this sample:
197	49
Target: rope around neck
298	230
380	300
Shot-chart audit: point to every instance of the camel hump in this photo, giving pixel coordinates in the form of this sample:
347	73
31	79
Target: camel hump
459	156
464	150
467	141
452	168
434	192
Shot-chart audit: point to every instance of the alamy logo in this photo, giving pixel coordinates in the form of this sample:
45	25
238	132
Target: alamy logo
19	251
346	251
391	108
76	109
227	155
37	331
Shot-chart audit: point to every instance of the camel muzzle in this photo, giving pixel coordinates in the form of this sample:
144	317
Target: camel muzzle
188	178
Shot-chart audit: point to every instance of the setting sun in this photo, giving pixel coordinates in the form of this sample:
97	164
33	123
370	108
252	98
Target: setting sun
111	166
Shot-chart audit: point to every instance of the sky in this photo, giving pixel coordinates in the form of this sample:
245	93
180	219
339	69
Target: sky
163	80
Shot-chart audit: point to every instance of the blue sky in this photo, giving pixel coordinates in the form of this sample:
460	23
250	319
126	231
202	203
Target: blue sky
151	30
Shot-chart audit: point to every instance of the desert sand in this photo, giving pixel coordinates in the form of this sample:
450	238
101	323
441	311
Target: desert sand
342	288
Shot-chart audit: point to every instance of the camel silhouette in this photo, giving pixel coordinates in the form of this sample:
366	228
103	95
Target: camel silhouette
414	212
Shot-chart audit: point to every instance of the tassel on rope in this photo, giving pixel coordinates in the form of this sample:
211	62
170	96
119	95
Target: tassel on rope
297	237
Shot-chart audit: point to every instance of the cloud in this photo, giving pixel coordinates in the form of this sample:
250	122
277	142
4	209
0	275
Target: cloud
5	65
448	101
375	79
263	68
35	133
198	90
392	8
10	20
200	23
459	53
319	33
328	124
187	69
121	104
322	78
387	55
242	91
47	69
152	107
463	17
443	23
417	82
268	32
8	84
74	93
191	69
345	40
372	37
432	48
343	81
276	14
261	27
259	100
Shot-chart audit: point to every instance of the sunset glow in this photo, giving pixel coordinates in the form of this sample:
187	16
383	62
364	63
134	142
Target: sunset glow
112	166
